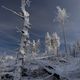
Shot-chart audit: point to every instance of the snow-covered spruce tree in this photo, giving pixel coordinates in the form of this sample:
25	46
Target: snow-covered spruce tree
61	17
35	47
52	43
47	43
38	46
28	48
76	49
55	43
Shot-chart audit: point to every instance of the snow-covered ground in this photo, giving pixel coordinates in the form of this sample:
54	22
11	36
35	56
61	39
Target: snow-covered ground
68	67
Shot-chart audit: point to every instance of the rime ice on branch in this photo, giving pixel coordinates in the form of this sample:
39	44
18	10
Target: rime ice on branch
25	13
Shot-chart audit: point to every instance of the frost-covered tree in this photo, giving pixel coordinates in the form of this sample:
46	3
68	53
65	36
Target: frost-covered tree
52	43
61	17
28	47
47	43
34	49
24	33
38	46
76	49
25	43
55	42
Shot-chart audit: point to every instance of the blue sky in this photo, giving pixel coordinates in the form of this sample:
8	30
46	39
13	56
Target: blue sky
42	13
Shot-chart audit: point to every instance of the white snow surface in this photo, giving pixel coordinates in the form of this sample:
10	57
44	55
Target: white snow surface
68	67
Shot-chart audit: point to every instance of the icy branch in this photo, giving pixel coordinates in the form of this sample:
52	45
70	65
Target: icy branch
12	11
